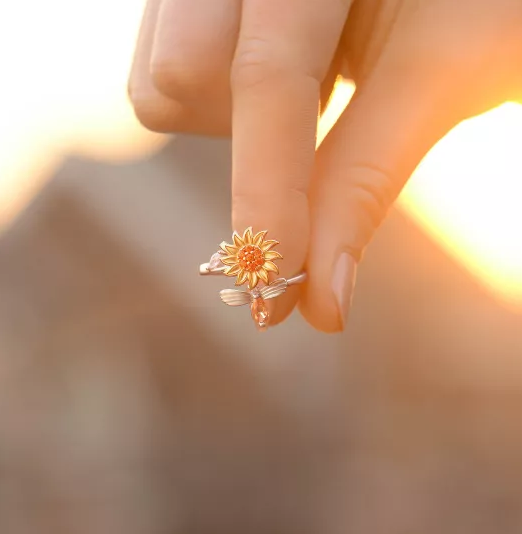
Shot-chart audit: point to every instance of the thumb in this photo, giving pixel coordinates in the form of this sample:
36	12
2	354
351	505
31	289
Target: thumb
392	122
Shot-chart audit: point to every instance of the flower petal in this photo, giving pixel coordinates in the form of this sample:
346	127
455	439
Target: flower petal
228	249
271	267
263	275
242	278
247	236
229	260
237	240
253	279
258	238
267	245
271	255
233	270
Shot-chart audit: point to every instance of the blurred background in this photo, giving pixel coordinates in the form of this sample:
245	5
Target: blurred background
127	401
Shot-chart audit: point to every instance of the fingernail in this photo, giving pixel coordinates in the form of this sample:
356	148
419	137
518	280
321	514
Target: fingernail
343	282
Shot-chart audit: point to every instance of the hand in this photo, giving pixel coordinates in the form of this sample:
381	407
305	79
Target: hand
259	69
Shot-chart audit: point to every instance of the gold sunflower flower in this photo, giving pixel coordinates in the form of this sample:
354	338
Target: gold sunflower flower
250	258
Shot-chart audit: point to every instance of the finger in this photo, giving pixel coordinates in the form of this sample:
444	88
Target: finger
193	48
191	56
396	117
283	53
153	110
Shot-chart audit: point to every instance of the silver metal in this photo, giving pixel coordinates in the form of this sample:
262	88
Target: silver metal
298	279
236	297
240	297
214	266
256	296
205	269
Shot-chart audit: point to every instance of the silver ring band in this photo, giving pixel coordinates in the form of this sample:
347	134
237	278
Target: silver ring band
250	258
298	279
205	270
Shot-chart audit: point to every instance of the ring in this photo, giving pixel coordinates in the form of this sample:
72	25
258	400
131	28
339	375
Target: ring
250	259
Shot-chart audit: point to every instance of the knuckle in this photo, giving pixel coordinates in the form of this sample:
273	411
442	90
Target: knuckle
182	79
374	190
255	62
364	198
157	115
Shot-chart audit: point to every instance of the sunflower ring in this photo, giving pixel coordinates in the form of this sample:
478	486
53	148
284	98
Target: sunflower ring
250	259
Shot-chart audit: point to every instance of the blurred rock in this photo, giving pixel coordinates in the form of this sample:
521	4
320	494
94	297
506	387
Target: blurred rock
128	402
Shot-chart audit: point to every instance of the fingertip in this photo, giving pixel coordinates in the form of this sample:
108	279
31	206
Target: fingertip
320	311
286	219
155	112
327	296
280	311
152	109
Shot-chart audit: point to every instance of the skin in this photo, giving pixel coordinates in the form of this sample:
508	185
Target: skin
260	69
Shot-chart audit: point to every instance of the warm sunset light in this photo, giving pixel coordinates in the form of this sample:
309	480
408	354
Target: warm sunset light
340	98
467	194
65	65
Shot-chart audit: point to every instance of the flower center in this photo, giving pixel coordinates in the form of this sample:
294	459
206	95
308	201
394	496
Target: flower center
250	258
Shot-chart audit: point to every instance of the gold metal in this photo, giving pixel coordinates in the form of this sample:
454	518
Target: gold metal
250	259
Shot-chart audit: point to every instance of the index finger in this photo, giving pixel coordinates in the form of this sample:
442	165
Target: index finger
283	53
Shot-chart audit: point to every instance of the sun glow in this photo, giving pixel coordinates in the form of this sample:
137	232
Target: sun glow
64	70
467	194
65	64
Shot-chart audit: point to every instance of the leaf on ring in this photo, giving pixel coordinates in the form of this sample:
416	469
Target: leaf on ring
276	288
235	297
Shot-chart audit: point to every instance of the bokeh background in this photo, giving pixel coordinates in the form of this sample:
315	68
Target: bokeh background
131	402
